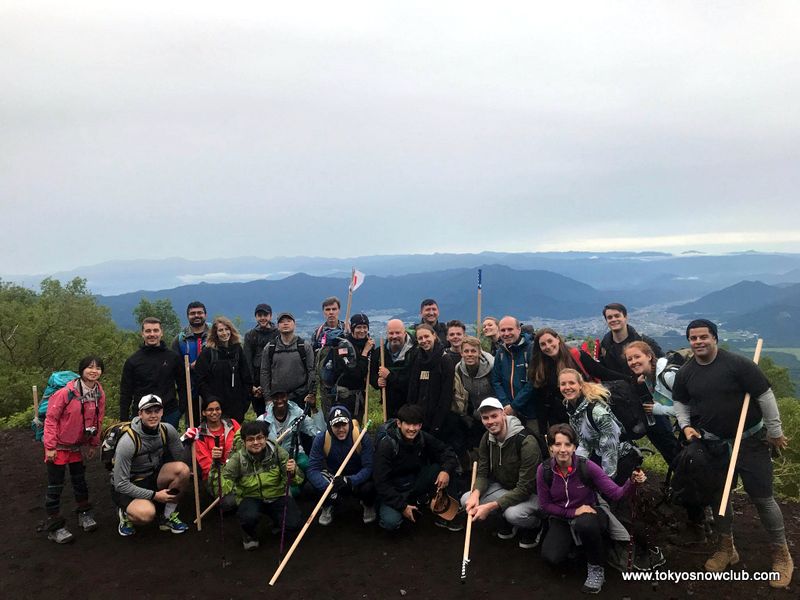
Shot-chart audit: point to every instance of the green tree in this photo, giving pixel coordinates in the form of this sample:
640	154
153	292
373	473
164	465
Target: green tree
779	377
51	331
163	310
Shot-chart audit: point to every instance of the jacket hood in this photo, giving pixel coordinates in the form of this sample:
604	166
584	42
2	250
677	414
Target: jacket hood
343	409
513	425
407	345
485	364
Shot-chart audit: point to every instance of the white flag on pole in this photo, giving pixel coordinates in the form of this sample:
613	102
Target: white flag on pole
358	279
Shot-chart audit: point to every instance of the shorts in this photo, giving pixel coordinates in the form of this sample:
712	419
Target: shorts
150	482
65	457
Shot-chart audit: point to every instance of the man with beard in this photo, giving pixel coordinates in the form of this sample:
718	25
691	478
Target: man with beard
190	342
351	385
153	369
399	351
429	315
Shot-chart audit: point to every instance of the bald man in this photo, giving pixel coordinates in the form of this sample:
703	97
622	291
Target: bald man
399	351
510	372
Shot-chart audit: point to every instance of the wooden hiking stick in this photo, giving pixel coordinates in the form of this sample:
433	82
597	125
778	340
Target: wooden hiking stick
349	300
35	400
317	508
480	293
366	388
726	491
467	537
383	389
206	511
195	474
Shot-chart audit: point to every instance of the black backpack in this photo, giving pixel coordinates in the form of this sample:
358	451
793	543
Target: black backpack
581	468
544	451
675	360
698	472
628	409
336	356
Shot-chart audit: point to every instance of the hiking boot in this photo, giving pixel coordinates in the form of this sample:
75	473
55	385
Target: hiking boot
529	538
249	543
326	515
61	536
724	557
782	564
649	560
370	515
125	527
172	524
693	533
506	530
86	520
595	578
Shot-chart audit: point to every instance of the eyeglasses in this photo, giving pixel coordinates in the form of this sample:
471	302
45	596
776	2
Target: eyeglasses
255	439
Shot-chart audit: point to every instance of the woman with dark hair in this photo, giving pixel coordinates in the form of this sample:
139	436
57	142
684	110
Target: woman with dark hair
214	443
222	371
550	356
74	420
568	487
431	380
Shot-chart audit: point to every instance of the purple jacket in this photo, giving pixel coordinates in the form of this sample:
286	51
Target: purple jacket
565	496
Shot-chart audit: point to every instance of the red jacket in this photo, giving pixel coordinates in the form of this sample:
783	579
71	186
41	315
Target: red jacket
67	418
205	444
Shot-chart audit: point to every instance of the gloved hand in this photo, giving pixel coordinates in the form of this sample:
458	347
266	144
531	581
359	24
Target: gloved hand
192	433
340	483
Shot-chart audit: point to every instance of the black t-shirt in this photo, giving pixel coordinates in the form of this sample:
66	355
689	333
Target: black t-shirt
715	392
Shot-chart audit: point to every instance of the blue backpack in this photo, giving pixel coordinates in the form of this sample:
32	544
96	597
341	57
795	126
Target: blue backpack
57	380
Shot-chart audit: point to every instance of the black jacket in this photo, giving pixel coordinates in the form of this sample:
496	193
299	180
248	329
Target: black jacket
398	461
223	372
399	373
254	342
440	329
152	370
611	352
356	379
431	385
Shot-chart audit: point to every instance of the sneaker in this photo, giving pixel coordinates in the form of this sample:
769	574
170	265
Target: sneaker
370	515
125	527
456	524
647	561
595	578
326	515
529	538
249	543
506	531
86	520
173	524
61	536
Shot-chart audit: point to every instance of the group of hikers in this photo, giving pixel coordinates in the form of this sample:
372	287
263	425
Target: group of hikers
552	429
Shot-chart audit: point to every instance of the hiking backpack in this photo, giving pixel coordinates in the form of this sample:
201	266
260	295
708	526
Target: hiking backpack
56	381
698	472
115	433
383	433
336	356
544	451
675	360
300	348
580	467
627	407
355	431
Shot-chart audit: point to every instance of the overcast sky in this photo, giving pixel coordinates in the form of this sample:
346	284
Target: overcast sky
218	129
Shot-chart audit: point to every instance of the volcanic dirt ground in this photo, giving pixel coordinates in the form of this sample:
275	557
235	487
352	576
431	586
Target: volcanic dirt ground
344	560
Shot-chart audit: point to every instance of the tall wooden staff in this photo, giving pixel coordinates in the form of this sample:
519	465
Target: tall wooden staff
349	298
465	558
318	506
195	472
366	389
723	505
35	391
480	291
383	389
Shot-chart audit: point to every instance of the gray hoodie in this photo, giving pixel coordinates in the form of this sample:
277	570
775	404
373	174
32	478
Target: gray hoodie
471	390
130	466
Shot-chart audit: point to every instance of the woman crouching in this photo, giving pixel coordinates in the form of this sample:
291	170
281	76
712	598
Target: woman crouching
567	486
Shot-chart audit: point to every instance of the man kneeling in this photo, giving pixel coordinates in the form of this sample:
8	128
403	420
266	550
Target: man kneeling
508	456
410	464
146	473
257	474
328	452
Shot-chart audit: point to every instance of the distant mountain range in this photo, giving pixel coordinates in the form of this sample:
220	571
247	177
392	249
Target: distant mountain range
772	311
663	277
506	291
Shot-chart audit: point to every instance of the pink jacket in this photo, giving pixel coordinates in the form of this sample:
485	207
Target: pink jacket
64	424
